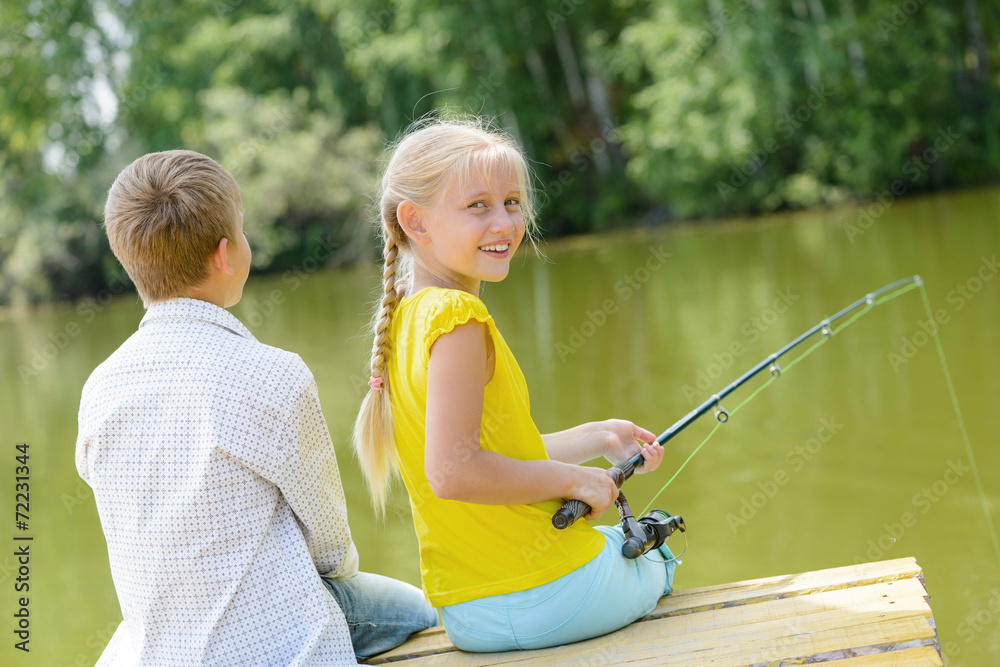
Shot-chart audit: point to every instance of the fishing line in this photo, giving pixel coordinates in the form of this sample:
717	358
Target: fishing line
668	560
828	334
961	422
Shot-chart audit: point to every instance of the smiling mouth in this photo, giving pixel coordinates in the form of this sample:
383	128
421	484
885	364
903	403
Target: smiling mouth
497	249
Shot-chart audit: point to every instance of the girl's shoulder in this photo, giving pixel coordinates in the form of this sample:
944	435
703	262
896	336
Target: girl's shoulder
437	310
441	300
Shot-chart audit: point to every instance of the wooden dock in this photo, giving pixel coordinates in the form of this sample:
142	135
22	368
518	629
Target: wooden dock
856	616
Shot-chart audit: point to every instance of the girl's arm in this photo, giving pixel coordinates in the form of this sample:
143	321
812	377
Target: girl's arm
614	439
456	467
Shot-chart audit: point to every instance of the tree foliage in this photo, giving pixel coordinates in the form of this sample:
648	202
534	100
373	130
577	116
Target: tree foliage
634	110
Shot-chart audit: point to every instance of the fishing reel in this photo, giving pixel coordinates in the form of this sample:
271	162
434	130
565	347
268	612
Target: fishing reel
649	532
641	535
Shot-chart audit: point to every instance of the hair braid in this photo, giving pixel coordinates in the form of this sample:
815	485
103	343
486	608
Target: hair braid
373	431
380	347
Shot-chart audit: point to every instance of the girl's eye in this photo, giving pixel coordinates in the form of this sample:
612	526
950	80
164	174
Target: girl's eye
512	202
478	204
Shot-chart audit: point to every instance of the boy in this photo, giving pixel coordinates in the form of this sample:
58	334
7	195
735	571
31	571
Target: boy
211	464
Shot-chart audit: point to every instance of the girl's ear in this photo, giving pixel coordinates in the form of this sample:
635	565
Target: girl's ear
409	217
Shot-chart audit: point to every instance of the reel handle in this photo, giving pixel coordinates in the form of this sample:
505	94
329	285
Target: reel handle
634	547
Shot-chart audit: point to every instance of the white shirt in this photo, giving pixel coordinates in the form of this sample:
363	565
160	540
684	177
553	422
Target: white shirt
219	494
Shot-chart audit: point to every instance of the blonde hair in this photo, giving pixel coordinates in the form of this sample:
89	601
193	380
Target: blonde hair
165	215
421	166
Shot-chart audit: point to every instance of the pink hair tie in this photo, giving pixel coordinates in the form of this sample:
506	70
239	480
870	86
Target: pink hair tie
376	382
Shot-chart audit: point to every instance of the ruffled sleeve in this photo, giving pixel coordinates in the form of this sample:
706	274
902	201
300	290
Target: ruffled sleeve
451	309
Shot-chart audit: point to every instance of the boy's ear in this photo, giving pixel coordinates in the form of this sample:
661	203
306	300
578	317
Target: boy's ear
408	216
220	257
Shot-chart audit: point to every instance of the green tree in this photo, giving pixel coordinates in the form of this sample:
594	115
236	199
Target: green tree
53	60
634	110
745	106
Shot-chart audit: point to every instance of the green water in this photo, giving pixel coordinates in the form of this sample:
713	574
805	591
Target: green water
855	454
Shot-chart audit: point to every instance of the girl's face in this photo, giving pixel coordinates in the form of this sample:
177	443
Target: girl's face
471	234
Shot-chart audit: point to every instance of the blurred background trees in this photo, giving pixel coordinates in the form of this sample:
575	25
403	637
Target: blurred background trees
635	111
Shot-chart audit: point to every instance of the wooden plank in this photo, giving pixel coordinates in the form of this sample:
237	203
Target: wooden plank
771	642
436	641
788	629
840	612
924	656
601	651
901	599
895	568
775	630
432	640
785	586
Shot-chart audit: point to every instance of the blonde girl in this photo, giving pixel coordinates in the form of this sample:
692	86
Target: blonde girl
448	408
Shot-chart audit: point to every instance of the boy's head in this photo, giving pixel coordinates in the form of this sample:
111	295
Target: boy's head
175	222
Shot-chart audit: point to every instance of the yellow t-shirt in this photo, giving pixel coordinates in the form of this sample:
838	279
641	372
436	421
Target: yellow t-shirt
470	551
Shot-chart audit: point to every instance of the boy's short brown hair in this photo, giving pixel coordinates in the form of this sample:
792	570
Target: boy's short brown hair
165	215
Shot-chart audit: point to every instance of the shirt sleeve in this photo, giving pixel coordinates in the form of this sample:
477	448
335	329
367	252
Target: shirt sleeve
453	309
310	482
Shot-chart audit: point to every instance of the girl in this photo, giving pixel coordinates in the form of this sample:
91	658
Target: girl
448	408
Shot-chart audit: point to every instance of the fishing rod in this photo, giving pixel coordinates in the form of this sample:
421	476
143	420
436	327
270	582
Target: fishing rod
572	510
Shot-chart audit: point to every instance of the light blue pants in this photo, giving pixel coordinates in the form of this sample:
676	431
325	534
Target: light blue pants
381	612
604	595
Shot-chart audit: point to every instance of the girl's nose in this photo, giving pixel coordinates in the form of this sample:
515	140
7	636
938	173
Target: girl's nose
503	221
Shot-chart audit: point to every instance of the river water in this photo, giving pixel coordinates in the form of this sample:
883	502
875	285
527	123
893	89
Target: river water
853	455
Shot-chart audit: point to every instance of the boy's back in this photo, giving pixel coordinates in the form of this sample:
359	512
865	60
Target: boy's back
210	461
212	467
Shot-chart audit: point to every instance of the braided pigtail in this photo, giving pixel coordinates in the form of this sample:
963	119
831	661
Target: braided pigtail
373	430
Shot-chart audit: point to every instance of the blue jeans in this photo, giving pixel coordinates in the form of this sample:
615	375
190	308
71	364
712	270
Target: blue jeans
381	612
599	597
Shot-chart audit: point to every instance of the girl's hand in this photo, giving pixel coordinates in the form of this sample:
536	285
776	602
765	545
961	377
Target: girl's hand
595	487
618	439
